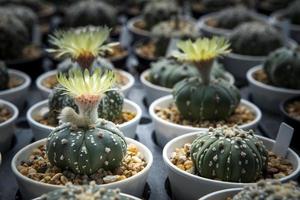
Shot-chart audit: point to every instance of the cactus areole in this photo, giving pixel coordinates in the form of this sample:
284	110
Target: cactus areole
204	98
84	143
229	154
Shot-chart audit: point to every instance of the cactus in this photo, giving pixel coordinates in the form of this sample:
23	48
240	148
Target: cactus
255	39
166	72
231	17
158	11
214	5
26	15
84	143
293	12
229	154
95	13
110	106
283	68
4	76
91	191
270	190
203	97
14	36
273	5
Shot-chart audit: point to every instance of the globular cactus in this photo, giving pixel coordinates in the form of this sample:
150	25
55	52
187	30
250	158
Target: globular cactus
255	39
111	106
26	15
14	36
166	72
231	17
95	13
293	13
83	143
283	68
214	5
158	11
4	76
272	5
219	102
91	191
229	154
270	190
204	97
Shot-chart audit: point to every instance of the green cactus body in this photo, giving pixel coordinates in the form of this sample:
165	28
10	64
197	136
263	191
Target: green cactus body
4	76
91	191
255	39
26	15
57	100
283	68
158	11
84	151
229	154
111	106
94	13
66	65
232	17
198	101
293	12
270	190
14	36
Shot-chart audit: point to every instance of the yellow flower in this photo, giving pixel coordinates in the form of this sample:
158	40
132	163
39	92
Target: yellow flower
80	83
203	49
84	42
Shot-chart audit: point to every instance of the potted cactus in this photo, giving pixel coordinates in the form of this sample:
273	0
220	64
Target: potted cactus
14	85
292	14
221	23
166	72
160	16
83	54
16	47
224	158
189	110
86	46
83	147
87	191
8	116
276	79
251	42
269	6
262	190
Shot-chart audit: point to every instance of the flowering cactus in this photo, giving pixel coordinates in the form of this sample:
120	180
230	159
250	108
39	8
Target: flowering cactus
83	142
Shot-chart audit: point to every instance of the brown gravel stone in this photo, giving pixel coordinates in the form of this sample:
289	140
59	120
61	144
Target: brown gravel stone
261	76
241	115
293	109
277	166
38	168
5	114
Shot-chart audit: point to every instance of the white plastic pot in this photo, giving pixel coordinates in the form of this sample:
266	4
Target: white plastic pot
154	92
46	91
30	188
166	131
222	194
41	131
17	95
267	97
7	128
188	186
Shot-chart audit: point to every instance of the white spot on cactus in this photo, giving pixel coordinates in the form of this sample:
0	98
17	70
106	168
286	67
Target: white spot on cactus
64	141
210	164
107	150
106	163
61	157
215	158
101	157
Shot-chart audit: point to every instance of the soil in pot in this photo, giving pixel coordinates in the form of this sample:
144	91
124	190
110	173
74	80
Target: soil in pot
240	116
116	53
147	50
277	167
51	81
5	114
293	109
38	168
14	82
126	116
261	76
